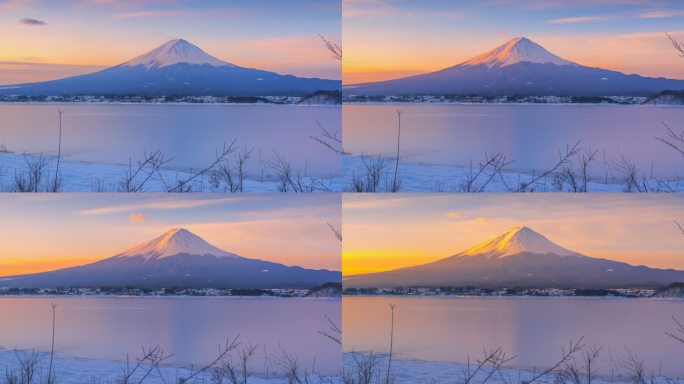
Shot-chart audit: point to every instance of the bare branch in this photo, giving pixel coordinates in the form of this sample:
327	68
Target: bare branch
334	48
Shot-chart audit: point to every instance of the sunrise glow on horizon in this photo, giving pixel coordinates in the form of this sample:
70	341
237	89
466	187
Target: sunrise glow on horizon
59	39
389	39
387	232
42	233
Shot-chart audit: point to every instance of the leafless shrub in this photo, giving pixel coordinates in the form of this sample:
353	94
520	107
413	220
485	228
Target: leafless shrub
678	333
370	177
563	159
395	179
223	353
681	229
34	178
138	372
185	184
679	46
487	367
635	368
673	139
477	179
630	175
233	174
336	232
294	372
55	187
287	180
27	370
232	372
364	369
330	140
578	178
391	346
51	377
135	177
334	48
566	356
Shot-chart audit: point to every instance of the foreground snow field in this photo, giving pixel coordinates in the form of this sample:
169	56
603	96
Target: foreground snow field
71	370
413	177
410	371
102	177
424	177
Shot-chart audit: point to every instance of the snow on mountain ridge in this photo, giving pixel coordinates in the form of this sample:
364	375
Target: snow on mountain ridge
517	50
175	52
174	242
515	241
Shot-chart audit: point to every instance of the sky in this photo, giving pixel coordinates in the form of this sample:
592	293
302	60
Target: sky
46	232
384	232
51	39
385	39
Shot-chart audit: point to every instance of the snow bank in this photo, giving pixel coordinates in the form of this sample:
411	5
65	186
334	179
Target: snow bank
425	177
70	370
80	176
439	372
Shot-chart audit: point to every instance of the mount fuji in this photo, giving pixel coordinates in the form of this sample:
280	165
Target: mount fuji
178	258
520	257
176	68
520	66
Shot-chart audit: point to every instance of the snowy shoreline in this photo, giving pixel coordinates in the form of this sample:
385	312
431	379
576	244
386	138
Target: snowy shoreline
81	176
78	370
427	177
414	371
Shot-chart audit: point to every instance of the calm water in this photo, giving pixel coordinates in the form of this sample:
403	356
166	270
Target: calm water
530	134
190	328
188	133
533	329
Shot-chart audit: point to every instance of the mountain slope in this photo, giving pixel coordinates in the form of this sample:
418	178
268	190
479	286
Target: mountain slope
520	66
176	68
178	258
520	257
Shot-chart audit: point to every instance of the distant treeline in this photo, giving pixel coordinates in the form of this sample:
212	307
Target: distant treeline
329	289
488	99
515	291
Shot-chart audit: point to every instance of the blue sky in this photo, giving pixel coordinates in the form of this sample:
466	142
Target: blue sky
80	35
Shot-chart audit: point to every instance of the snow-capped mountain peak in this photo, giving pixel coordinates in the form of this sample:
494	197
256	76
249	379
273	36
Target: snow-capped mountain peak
175	52
516	241
173	242
519	49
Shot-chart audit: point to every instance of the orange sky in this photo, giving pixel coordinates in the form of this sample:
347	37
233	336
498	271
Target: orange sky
389	39
43	233
388	232
68	37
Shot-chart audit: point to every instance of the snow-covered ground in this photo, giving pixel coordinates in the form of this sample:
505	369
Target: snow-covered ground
410	371
80	176
71	370
425	177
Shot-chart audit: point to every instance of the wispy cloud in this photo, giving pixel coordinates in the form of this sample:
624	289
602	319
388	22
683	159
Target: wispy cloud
164	204
137	217
381	9
32	22
573	20
661	14
179	12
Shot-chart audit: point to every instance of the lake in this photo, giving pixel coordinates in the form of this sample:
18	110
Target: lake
455	134
533	329
190	134
111	328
